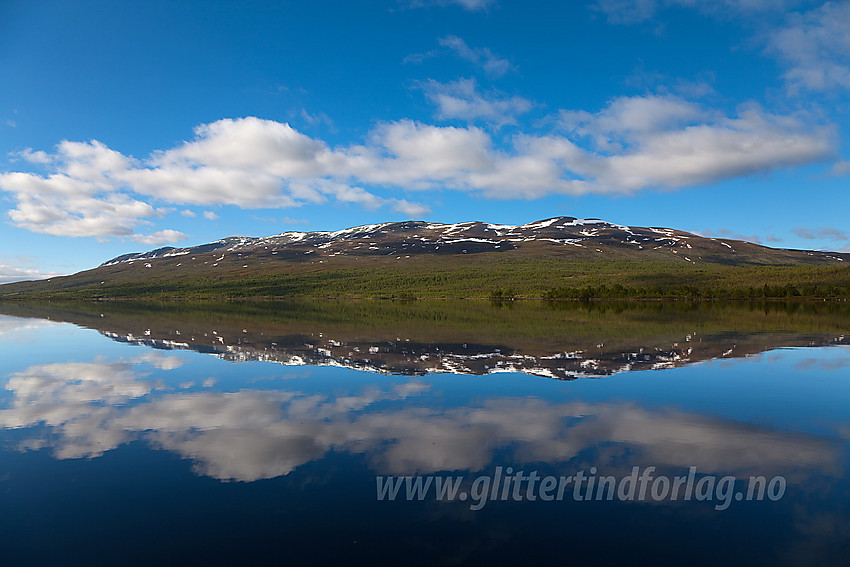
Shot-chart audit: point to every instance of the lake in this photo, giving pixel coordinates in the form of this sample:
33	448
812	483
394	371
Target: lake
424	433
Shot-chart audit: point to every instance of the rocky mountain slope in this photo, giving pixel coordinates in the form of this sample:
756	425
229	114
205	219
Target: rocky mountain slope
559	235
470	259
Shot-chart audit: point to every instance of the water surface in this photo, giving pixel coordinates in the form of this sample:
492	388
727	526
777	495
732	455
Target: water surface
253	433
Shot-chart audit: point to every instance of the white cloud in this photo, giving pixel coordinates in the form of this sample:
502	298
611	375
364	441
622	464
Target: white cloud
628	119
113	214
253	163
492	64
461	99
631	144
160	237
33	156
412	210
209	215
420	156
815	45
245	144
666	142
208	185
17	272
91	190
78	198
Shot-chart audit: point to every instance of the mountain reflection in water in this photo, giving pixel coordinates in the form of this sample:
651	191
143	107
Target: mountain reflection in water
562	340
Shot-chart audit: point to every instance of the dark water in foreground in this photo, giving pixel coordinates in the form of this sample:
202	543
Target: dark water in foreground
254	434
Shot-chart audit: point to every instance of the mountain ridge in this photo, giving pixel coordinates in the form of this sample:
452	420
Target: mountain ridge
499	236
559	257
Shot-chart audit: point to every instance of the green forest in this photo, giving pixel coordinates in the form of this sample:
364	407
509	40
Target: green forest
483	278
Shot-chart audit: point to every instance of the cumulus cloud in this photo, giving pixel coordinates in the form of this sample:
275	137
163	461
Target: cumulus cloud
482	57
92	190
648	142
78	198
633	143
115	214
461	99
628	119
815	45
32	156
657	141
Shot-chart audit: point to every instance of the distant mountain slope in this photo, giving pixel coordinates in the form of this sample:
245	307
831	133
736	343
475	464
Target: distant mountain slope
415	258
559	235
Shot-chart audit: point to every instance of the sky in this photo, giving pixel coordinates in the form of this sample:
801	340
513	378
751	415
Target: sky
126	126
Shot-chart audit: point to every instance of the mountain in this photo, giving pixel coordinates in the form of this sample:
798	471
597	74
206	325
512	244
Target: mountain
418	258
556	236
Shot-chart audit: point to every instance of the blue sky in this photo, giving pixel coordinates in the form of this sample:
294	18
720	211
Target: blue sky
126	126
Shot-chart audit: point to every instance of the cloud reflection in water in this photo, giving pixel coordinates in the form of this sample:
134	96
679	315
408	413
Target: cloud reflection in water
247	435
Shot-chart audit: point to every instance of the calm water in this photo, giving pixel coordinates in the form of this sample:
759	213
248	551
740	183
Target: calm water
254	434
